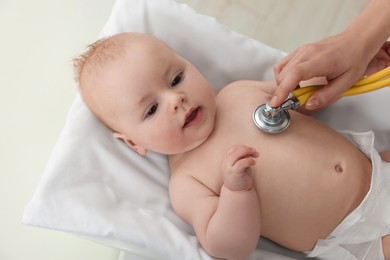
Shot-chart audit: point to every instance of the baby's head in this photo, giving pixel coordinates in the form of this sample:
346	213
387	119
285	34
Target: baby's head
148	95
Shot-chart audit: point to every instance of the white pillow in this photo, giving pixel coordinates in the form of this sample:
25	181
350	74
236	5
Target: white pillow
95	186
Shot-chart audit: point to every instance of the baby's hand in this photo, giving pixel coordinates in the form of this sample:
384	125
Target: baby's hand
236	167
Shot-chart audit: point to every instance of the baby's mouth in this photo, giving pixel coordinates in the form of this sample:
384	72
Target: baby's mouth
191	115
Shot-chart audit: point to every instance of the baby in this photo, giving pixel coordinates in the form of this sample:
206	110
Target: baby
309	189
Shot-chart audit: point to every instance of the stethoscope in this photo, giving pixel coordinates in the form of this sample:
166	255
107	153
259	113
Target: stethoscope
277	119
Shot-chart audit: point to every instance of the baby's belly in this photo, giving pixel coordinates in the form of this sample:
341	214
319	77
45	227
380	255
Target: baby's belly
308	179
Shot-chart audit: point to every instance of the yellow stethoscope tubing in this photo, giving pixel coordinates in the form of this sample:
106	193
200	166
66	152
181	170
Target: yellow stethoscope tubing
373	82
374	77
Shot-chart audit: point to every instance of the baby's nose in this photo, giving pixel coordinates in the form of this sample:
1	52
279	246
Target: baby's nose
178	100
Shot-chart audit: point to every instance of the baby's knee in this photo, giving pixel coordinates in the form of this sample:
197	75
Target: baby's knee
385	156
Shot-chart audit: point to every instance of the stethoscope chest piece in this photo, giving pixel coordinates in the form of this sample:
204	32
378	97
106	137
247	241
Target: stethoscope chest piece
271	120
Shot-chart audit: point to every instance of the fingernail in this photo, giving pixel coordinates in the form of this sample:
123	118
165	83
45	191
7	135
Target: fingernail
312	103
273	101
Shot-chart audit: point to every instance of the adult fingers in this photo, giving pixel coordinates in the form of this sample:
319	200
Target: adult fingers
278	67
294	75
331	92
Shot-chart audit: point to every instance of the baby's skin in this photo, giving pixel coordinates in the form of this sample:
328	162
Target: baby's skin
293	188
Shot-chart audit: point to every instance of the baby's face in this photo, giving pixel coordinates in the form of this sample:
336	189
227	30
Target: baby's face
157	100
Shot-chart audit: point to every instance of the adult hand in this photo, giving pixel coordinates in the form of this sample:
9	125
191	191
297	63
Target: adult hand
341	59
380	61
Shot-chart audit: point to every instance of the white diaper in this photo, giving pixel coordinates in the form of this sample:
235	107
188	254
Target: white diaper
358	236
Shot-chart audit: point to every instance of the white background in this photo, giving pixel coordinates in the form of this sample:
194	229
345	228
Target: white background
38	40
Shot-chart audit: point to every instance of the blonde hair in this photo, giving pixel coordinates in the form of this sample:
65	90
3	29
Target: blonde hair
86	67
89	64
96	55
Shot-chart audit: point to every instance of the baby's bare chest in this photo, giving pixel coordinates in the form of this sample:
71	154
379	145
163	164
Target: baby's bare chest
305	145
306	166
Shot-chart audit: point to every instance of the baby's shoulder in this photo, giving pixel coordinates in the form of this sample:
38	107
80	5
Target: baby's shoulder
245	91
244	87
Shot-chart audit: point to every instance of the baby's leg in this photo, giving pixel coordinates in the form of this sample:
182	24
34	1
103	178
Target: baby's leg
386	246
385	156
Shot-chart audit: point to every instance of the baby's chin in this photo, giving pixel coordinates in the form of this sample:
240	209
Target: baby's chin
185	149
195	145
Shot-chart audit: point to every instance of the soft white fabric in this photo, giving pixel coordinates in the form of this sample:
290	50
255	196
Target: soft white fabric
94	186
358	236
369	111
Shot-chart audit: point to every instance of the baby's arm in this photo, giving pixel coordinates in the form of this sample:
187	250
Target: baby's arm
227	225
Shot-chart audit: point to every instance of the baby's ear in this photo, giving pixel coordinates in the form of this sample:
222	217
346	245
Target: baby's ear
139	149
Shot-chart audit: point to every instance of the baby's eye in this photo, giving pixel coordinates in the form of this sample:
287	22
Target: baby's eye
152	110
176	80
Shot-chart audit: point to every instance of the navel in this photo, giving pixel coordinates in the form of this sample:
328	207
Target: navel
338	168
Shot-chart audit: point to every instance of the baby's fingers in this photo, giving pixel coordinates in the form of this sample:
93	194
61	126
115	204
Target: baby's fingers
242	165
236	167
239	152
240	157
